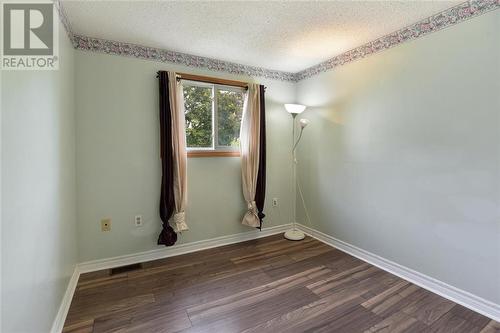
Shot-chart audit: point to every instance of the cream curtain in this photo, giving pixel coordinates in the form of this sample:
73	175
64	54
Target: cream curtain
179	152
249	148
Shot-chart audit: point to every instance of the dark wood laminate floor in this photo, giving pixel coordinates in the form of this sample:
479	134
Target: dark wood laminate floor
264	285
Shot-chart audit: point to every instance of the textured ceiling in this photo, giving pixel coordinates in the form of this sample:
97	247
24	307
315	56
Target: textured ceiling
281	35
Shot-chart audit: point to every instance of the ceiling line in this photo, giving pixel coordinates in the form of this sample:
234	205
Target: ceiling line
439	21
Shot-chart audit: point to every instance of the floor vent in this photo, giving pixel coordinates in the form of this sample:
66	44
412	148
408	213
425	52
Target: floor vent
125	269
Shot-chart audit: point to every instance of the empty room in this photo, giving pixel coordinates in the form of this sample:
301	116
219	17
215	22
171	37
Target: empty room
250	166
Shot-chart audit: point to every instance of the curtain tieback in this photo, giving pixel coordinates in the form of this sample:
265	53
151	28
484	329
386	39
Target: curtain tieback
180	222
252	207
251	217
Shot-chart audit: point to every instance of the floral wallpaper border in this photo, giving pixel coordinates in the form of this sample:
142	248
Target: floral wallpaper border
151	53
444	19
434	23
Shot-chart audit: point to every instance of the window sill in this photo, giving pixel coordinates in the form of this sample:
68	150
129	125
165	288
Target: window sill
212	153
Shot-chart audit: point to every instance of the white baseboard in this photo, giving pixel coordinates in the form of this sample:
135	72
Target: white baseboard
58	324
445	290
164	252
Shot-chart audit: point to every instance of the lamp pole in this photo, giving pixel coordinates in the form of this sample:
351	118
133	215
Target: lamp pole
294	174
294	233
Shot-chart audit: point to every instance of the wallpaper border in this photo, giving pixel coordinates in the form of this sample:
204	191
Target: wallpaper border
439	21
444	19
161	55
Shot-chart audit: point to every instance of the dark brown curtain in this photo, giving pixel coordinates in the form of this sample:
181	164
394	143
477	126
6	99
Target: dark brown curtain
260	192
167	237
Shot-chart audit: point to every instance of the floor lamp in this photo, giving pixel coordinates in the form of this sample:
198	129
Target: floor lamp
295	109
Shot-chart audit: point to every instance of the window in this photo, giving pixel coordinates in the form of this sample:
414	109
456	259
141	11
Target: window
213	117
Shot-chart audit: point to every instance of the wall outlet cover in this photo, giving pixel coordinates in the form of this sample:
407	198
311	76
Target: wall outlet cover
138	221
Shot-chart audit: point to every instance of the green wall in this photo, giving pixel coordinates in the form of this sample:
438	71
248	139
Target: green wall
38	192
402	155
118	172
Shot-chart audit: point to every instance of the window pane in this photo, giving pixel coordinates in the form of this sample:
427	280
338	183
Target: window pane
229	111
198	105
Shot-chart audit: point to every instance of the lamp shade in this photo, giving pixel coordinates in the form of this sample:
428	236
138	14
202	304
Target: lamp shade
304	122
295	108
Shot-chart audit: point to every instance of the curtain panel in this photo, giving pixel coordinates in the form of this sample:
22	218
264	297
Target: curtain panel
179	152
253	158
260	192
173	193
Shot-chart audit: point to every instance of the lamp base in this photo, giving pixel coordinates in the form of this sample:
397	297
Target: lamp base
294	235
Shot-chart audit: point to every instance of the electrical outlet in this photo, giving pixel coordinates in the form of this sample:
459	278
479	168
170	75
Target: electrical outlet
138	221
275	202
106	225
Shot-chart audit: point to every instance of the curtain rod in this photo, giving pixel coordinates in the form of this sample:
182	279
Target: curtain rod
213	80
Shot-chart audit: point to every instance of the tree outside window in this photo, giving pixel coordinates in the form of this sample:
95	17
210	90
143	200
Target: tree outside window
213	116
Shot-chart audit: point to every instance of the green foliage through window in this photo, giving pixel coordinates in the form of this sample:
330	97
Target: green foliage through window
198	113
213	116
229	111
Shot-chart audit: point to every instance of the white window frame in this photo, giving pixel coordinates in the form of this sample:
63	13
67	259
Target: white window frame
215	124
